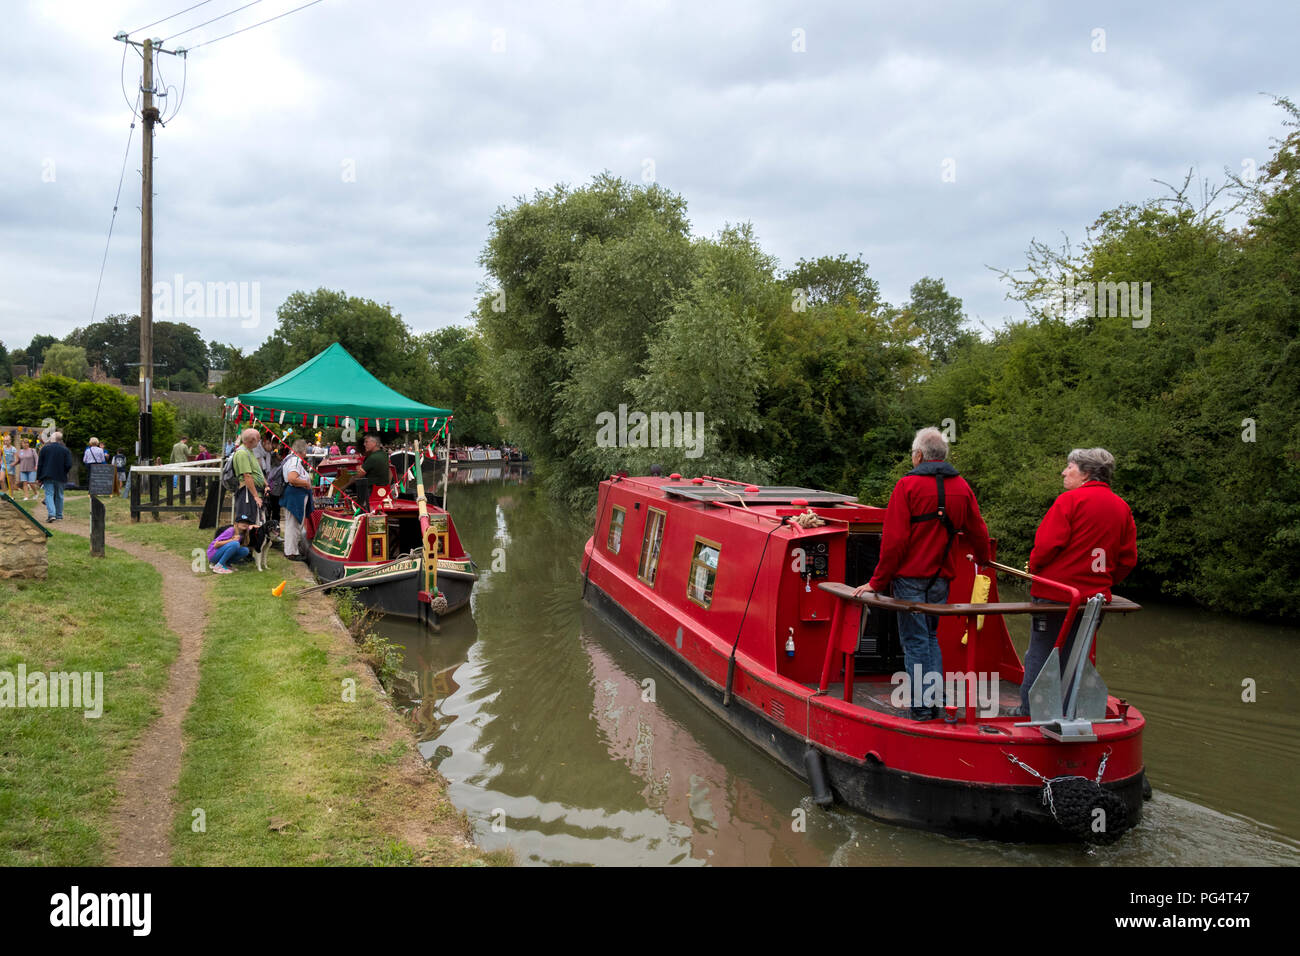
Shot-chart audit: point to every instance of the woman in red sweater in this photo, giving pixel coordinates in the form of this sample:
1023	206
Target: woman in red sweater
1087	540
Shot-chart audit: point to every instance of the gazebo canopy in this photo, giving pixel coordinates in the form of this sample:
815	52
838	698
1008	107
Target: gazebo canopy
324	390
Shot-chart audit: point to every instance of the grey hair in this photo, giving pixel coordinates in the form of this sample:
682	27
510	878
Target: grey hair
57	436
931	444
249	432
299	447
1095	463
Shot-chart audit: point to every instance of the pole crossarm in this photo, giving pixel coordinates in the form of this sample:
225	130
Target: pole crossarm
155	45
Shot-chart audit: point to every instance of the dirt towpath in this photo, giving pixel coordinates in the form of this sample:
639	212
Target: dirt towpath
146	791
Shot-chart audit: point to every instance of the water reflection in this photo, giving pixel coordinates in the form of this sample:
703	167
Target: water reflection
543	721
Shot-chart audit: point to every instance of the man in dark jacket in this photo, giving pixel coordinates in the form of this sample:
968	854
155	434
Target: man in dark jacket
52	467
917	555
375	473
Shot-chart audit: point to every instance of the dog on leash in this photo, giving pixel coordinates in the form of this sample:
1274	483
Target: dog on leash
259	535
259	544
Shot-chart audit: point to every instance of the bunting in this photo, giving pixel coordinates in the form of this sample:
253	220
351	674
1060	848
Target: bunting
240	411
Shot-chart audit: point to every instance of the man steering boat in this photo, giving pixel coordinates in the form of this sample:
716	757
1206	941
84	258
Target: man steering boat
375	472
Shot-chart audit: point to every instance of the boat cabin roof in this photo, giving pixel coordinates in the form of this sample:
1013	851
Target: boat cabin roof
762	494
771	501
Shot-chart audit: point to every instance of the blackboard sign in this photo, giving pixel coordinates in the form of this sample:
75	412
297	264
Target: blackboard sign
101	479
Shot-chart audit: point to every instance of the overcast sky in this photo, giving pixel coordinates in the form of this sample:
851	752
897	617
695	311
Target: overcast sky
364	146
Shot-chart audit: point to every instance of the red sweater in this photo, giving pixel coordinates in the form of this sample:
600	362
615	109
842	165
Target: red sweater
1087	539
914	550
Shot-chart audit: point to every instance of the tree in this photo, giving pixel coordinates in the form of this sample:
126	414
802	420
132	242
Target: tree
36	349
706	363
1193	386
6	365
201	427
938	319
834	280
618	295
111	344
219	355
531	255
373	334
65	360
455	360
833	400
244	373
179	355
83	409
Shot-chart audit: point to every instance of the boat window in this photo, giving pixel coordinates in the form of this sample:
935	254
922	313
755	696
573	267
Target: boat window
704	569
615	539
650	545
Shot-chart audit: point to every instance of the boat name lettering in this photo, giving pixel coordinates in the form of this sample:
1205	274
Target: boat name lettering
333	530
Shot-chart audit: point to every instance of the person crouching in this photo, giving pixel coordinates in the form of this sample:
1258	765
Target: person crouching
230	545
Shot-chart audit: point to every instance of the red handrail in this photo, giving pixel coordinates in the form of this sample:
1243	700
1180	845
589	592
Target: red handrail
971	612
1073	592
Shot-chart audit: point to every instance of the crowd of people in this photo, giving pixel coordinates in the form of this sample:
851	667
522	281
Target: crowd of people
275	490
36	472
1087	540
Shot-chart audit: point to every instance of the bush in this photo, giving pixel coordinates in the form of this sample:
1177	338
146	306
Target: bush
85	409
384	657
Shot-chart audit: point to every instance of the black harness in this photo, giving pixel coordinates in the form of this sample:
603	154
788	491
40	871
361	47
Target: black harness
940	514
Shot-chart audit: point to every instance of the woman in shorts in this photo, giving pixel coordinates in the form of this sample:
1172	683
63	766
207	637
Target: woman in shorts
27	470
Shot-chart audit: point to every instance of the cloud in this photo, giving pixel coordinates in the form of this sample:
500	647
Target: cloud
366	147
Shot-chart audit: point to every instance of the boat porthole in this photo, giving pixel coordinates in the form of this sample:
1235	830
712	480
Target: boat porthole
679	638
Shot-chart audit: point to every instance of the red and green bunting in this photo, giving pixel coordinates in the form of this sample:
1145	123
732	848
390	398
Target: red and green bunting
440	427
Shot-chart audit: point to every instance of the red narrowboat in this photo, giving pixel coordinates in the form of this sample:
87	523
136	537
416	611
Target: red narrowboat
399	553
751	597
381	552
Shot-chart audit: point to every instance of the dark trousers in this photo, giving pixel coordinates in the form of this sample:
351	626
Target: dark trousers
1043	632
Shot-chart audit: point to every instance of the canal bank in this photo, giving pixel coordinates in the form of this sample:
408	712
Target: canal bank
292	753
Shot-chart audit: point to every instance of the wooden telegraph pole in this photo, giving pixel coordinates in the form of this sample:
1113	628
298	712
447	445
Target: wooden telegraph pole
150	114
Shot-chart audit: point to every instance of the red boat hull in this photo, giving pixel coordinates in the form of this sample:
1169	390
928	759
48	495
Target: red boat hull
956	807
950	777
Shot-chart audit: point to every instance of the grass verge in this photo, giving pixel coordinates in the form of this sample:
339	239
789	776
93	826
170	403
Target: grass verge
58	768
293	756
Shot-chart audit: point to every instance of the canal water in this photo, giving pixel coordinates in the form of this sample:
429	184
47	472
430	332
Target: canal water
564	744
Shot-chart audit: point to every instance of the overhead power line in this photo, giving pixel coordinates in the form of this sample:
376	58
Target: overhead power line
134	110
173	16
116	199
268	20
213	20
